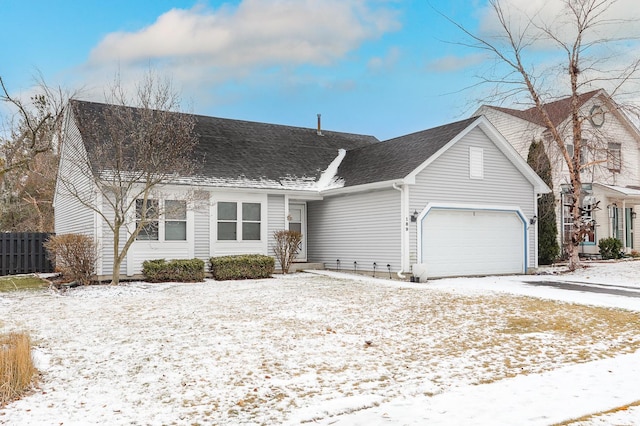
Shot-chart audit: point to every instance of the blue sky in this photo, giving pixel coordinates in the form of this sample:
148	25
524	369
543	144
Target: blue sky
379	67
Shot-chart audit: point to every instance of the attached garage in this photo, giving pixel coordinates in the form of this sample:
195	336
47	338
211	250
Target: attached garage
473	241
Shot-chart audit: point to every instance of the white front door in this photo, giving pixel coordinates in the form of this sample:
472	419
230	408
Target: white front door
298	222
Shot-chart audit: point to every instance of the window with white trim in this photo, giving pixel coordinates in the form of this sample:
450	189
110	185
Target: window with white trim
614	156
239	221
171	226
476	163
584	151
251	221
149	213
175	220
227	221
587	207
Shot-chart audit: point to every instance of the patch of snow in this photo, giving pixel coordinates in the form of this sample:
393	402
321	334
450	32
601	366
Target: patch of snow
327	348
328	178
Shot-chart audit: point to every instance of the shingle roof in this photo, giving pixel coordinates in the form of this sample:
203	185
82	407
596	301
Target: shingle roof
250	151
396	158
558	111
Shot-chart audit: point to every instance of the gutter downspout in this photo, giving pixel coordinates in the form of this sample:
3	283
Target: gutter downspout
405	228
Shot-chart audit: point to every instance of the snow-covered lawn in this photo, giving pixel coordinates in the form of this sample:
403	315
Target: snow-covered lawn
306	347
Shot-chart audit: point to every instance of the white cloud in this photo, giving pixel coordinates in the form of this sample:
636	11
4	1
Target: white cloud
609	45
612	19
456	63
385	62
256	33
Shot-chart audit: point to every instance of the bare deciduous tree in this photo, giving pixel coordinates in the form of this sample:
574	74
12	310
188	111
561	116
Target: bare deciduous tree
28	157
586	34
131	147
286	247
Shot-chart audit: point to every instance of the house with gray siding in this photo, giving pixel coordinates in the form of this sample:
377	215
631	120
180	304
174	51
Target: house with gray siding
449	201
610	163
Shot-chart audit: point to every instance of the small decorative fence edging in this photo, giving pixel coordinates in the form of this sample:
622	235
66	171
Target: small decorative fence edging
24	253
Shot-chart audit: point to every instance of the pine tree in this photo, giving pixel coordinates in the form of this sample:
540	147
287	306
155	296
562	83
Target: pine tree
548	249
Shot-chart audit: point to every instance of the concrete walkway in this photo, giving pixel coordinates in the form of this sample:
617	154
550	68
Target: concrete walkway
539	399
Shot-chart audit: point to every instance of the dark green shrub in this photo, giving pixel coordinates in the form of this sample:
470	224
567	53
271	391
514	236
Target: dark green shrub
240	267
548	248
610	248
159	270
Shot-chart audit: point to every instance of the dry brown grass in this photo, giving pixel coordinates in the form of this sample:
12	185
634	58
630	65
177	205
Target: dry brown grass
285	351
596	415
16	366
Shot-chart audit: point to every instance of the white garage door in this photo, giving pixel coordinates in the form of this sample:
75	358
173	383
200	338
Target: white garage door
472	242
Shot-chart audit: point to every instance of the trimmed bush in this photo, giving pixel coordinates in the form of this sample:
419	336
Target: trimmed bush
241	267
610	248
75	256
159	270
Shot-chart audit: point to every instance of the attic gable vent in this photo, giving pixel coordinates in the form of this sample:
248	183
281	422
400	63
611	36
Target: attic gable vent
476	163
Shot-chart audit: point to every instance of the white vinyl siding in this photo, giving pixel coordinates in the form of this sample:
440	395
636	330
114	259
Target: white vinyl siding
70	215
363	228
201	228
276	221
106	248
447	181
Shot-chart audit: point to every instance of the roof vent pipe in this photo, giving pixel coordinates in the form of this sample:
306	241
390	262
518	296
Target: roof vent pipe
319	125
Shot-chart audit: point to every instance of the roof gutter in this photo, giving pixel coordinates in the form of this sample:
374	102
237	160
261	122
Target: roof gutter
374	186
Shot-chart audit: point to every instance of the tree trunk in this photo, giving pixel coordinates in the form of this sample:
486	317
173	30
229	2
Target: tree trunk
576	232
117	258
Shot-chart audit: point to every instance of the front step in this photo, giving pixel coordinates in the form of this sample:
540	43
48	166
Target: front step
295	267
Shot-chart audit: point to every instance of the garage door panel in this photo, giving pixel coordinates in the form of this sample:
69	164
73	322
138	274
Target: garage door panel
472	242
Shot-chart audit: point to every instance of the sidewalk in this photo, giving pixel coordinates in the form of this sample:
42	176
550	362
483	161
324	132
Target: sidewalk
539	399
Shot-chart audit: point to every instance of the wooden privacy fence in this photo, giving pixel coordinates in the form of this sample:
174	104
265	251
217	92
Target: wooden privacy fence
23	253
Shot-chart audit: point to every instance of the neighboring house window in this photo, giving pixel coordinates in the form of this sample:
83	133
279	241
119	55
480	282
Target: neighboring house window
614	157
476	163
584	152
587	217
249	223
570	150
175	225
149	230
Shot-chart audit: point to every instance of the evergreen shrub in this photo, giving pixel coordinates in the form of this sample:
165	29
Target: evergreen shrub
240	267
159	270
610	248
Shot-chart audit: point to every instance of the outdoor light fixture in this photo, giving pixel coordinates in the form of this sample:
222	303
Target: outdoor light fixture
414	216
533	220
633	214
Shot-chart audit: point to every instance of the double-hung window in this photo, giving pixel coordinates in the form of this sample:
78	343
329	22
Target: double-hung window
175	220
170	226
239	221
148	214
614	157
227	221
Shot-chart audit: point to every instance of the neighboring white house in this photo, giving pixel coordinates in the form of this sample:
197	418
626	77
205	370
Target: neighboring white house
611	154
453	200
